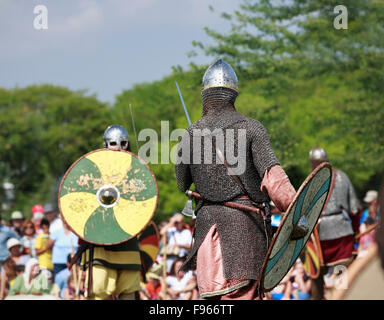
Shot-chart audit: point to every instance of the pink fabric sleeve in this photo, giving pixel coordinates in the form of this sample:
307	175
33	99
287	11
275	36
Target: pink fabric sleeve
277	185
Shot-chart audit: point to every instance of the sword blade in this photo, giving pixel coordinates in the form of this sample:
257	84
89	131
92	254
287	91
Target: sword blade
182	101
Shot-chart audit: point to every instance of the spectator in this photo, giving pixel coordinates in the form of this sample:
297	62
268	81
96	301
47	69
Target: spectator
6	233
16	221
180	285
43	252
152	290
301	283
32	281
61	279
62	242
283	290
29	238
37	216
371	200
179	239
7	276
367	239
15	249
50	213
70	290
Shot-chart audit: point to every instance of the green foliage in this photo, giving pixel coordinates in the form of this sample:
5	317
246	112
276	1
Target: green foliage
44	129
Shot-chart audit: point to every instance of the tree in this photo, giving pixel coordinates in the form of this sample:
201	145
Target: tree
44	129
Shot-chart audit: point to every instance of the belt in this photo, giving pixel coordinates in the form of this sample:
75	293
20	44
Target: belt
256	208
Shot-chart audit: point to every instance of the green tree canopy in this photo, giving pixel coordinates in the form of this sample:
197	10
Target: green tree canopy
43	130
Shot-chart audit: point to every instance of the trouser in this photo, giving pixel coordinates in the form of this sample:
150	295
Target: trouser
57	267
107	282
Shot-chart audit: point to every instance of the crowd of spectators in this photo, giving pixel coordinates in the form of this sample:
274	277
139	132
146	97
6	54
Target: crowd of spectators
35	254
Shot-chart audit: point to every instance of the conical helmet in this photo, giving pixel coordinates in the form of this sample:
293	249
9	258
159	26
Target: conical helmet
318	154
116	137
220	74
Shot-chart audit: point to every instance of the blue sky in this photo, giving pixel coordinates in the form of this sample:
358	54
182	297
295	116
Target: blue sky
103	46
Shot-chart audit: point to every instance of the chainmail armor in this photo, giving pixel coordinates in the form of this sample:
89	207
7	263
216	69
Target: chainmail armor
242	236
334	223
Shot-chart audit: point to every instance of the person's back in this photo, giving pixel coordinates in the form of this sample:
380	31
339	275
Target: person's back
65	243
335	221
245	137
228	157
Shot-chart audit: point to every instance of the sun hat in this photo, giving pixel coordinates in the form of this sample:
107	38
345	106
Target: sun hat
16	215
370	196
151	275
13	242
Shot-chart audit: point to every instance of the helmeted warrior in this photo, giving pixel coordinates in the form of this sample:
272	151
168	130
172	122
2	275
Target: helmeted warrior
229	244
116	137
115	268
336	230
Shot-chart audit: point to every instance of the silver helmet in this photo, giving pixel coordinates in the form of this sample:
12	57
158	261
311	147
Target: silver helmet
116	137
220	74
318	154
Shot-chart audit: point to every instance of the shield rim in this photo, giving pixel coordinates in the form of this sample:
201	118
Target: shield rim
310	176
158	236
82	157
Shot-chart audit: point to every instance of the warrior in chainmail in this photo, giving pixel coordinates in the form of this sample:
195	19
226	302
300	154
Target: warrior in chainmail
335	226
229	244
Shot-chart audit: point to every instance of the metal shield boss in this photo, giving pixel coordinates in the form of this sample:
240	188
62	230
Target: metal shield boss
108	196
296	226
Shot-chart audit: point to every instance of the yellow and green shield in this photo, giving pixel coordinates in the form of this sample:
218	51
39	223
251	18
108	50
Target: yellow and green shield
108	196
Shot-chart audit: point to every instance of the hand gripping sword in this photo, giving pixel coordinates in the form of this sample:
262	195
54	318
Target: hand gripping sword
188	209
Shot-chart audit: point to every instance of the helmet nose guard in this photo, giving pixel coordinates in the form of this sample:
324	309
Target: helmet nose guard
116	137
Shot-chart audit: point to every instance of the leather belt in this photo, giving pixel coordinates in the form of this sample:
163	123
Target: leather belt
256	208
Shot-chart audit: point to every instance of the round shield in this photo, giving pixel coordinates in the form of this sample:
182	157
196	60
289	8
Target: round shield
108	196
296	226
149	242
311	256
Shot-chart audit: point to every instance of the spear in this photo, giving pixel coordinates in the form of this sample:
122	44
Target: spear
134	128
182	101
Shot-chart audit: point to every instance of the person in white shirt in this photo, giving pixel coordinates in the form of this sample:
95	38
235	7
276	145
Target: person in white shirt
178	237
180	285
55	223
